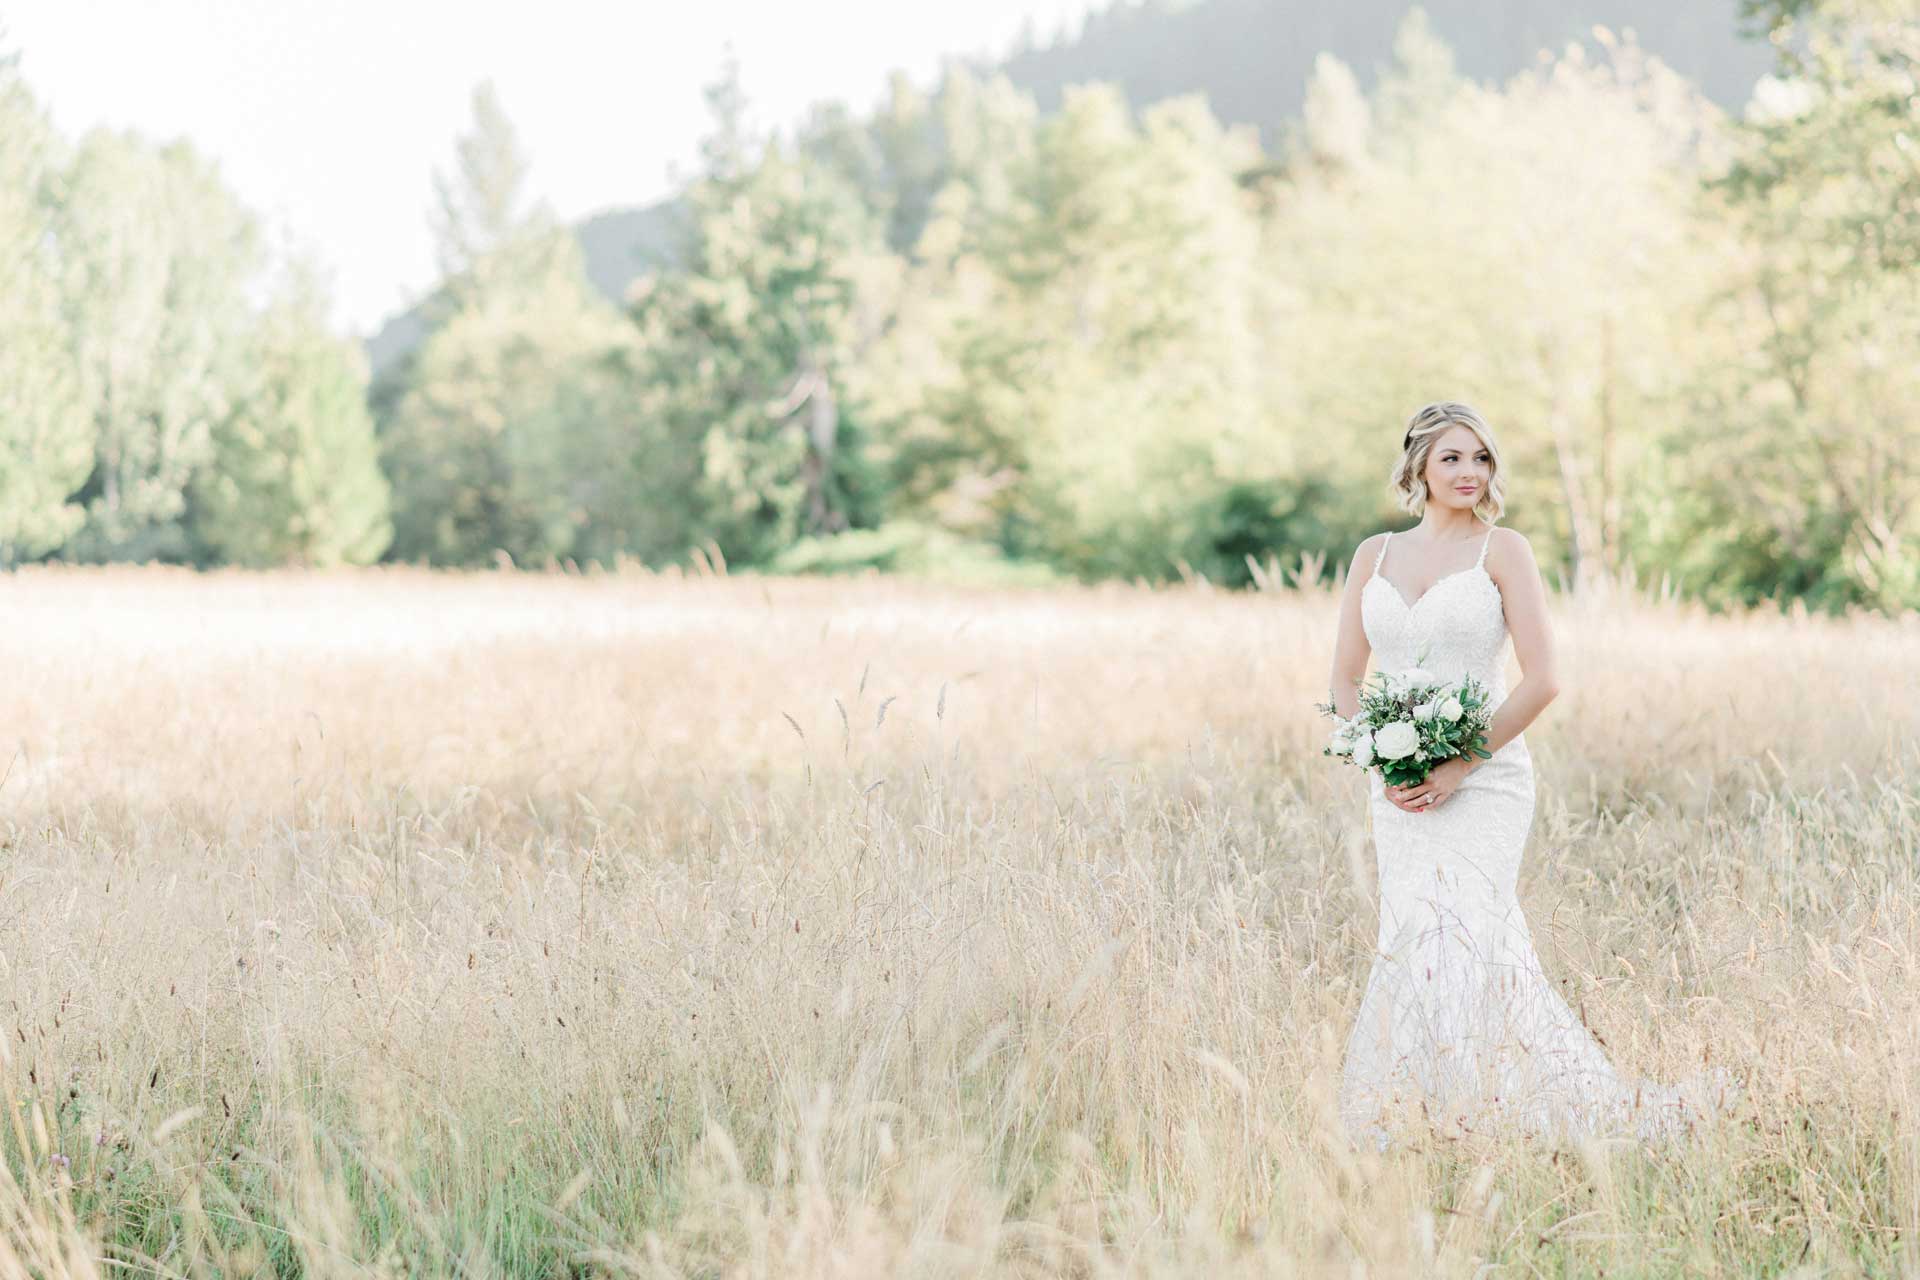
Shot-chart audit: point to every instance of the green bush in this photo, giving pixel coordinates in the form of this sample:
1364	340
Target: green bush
911	548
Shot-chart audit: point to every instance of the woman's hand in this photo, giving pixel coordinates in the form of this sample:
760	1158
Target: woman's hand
1432	791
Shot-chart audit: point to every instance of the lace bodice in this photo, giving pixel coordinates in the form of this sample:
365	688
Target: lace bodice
1458	628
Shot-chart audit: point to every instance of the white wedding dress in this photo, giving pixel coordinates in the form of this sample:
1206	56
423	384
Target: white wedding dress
1458	1023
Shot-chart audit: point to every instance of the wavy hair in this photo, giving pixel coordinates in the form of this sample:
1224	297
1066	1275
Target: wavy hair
1426	425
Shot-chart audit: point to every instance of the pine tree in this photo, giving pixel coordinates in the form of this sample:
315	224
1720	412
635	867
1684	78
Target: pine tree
507	432
753	336
1421	78
488	238
294	476
1073	369
1336	121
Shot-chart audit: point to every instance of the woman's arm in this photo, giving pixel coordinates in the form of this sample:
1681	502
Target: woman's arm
1510	563
1350	647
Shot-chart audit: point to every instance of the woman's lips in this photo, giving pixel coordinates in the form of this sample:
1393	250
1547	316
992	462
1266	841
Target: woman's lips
1466	488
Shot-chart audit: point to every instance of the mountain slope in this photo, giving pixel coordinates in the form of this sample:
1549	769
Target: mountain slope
618	245
1251	58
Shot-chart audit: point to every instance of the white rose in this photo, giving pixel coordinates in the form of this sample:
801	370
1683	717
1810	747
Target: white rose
1342	739
1363	750
1418	678
1424	712
1451	709
1397	740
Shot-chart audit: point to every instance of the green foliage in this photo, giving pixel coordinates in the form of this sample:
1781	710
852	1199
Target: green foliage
1422	75
147	408
897	161
294	476
1336	121
1258	519
1831	148
911	548
1254	60
963	336
1817	494
1778	17
1390	698
517	428
489	243
1125	350
46	439
750	343
156	255
1085	375
511	433
1469	253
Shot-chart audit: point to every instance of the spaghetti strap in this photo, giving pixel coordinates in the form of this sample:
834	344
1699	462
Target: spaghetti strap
1377	560
1484	544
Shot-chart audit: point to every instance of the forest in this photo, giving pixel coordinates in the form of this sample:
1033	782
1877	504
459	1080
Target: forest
970	336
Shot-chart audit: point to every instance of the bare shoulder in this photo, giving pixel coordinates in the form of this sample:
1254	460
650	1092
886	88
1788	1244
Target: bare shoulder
1510	556
1361	566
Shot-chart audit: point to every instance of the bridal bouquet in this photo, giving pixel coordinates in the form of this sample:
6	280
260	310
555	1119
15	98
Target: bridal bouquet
1410	721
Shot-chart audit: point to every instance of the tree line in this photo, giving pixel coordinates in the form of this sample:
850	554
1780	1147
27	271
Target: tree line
959	335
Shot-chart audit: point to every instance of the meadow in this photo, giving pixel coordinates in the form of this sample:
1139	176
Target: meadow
387	922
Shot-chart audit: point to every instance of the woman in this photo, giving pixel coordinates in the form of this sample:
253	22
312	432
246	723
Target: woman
1458	1023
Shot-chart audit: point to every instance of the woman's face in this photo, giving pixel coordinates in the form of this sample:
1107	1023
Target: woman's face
1459	468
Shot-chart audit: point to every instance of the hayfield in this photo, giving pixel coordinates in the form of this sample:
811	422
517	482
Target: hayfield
420	924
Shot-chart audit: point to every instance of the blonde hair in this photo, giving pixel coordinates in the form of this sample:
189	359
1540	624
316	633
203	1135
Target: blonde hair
1426	425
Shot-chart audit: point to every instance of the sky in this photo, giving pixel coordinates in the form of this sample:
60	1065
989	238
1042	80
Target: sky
328	119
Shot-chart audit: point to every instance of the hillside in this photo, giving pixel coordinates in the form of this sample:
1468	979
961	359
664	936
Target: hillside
617	244
1251	59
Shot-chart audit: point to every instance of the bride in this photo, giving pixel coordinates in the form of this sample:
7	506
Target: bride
1458	1024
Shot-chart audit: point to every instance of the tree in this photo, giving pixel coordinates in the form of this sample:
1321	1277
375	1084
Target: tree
1853	129
1083	370
913	161
156	255
504	435
294	476
488	239
1422	74
1136	247
46	439
942	374
1483	258
1819	490
896	161
752	335
1336	120
506	439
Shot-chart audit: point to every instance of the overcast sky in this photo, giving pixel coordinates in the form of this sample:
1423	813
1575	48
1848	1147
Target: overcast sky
328	117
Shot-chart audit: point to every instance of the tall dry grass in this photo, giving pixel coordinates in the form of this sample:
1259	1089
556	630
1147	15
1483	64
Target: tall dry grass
397	924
